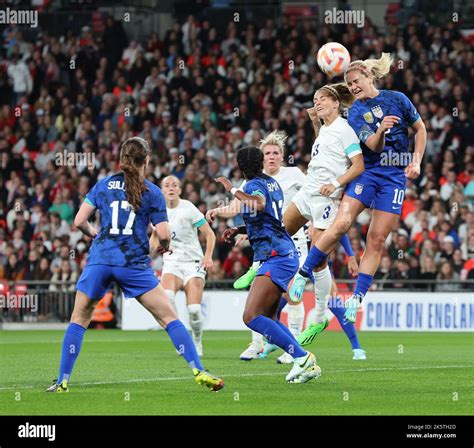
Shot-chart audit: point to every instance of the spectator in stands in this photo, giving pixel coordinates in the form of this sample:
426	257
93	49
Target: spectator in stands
446	272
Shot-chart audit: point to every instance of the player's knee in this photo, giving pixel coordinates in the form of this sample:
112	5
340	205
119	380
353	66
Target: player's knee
375	241
249	315
341	227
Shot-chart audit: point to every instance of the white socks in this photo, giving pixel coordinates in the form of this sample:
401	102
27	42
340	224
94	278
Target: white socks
195	320
295	318
171	294
322	291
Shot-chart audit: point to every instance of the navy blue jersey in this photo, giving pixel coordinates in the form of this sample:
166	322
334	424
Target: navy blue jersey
123	237
265	229
365	117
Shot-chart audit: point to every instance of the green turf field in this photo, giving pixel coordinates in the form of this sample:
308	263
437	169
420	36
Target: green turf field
137	373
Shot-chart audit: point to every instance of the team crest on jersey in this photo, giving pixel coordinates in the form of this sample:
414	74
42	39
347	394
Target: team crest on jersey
377	111
368	117
358	188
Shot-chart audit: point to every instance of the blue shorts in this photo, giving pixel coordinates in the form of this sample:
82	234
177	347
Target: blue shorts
379	192
95	280
281	269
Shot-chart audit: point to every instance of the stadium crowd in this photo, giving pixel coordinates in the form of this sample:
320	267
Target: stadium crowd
197	95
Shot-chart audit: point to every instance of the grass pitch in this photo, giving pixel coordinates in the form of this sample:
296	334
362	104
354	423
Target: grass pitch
139	373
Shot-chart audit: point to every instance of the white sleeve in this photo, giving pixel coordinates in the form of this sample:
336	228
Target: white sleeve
195	215
242	185
300	178
350	142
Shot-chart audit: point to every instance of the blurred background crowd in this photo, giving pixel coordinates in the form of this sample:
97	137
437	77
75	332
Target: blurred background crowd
197	95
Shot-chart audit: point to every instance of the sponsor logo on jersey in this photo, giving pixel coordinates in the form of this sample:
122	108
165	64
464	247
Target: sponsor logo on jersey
358	188
377	111
368	117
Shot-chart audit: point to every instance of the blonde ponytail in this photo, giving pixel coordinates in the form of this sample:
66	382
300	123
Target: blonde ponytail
376	68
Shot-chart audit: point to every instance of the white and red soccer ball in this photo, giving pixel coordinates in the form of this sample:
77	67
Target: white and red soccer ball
333	59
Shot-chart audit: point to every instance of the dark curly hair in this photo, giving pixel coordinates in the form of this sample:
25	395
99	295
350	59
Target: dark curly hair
250	161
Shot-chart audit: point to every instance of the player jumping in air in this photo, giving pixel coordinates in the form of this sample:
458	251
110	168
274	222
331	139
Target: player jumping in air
120	252
380	118
262	202
336	159
290	179
186	266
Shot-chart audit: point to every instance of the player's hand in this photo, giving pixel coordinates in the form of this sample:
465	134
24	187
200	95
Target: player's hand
161	250
228	234
353	267
412	171
240	240
313	116
388	122
211	215
224	181
93	232
207	263
327	189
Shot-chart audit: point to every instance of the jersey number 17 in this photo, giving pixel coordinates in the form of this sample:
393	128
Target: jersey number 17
124	205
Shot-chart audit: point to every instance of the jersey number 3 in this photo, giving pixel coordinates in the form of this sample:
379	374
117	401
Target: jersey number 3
124	205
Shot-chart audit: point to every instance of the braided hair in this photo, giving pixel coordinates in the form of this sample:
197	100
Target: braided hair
250	161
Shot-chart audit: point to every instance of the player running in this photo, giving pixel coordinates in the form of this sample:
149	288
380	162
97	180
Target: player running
186	266
262	201
120	252
380	119
336	160
290	179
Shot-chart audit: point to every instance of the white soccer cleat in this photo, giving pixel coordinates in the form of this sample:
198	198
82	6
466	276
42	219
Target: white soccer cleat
251	352
301	365
311	373
359	354
286	358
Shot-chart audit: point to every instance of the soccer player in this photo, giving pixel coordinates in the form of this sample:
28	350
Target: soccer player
290	179
186	266
380	118
262	201
336	159
120	252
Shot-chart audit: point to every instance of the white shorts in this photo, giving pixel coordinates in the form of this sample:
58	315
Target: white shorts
320	210
185	270
301	248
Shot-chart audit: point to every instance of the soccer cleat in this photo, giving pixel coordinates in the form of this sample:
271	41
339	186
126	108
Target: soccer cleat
308	335
309	374
58	388
251	352
301	365
204	378
267	349
359	354
297	288
286	358
352	305
245	280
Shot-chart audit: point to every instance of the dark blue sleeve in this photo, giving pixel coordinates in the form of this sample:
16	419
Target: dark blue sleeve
158	207
410	114
356	122
255	186
346	244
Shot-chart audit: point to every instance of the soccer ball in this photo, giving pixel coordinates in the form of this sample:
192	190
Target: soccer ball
333	59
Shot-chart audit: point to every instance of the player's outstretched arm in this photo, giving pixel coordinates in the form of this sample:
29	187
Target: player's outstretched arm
253	202
81	220
229	211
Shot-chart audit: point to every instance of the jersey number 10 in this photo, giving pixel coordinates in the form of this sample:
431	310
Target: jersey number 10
124	205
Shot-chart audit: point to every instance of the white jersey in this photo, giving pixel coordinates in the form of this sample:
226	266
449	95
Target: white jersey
332	150
184	220
291	179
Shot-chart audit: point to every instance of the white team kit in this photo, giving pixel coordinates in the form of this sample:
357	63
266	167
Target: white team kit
332	150
185	260
291	180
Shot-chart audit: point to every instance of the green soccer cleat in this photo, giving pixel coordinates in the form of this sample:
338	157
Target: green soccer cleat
58	388
204	378
246	280
308	335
